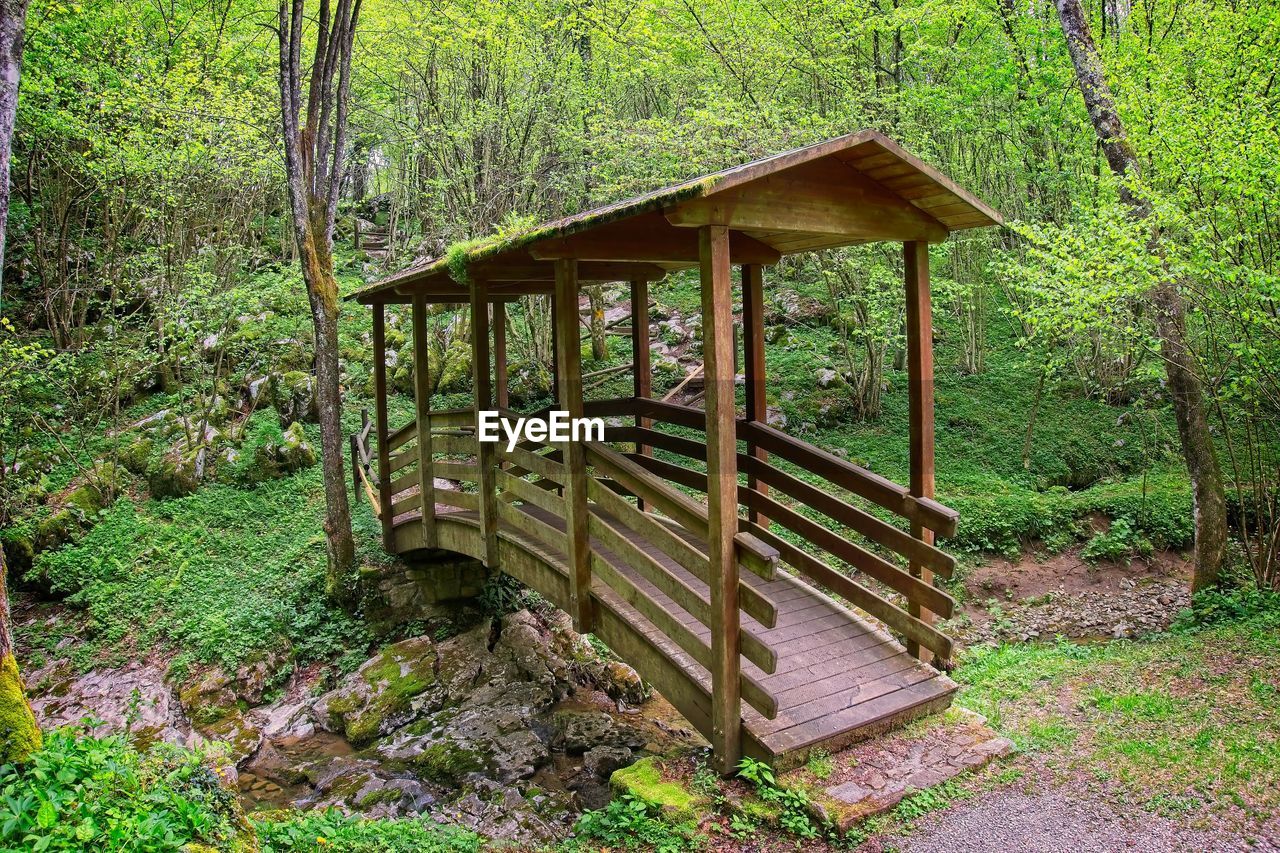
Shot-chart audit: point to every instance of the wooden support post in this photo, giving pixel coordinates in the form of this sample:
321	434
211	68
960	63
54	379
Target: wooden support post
355	467
422	409
555	352
482	381
642	370
920	379
569	386
500	353
753	358
722	495
384	431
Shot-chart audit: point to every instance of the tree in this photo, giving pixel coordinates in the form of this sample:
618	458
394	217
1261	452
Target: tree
19	734
315	151
1209	500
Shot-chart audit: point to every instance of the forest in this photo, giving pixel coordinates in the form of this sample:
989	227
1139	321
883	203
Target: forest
204	644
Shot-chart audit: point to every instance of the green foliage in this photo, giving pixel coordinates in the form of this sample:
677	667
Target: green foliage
85	793
221	574
795	807
631	823
1212	607
333	832
820	763
1120	541
928	800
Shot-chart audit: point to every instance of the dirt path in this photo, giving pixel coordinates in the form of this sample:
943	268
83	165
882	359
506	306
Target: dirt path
1058	820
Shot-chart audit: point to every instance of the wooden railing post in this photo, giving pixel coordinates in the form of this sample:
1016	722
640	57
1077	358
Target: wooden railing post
500	353
722	495
642	371
422	409
753	358
355	467
569	389
920	374
482	382
384	433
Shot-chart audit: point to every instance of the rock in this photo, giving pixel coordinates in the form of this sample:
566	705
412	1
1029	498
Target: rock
109	695
578	731
826	377
291	454
621	683
294	396
601	761
644	780
387	692
136	458
174	478
362	785
501	812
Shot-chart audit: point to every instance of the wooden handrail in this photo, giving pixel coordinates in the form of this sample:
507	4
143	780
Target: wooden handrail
854	478
675	504
874	566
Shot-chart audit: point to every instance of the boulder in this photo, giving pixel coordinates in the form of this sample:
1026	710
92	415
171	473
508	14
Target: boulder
387	692
175	477
294	396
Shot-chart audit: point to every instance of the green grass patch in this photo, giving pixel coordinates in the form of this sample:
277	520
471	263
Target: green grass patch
219	576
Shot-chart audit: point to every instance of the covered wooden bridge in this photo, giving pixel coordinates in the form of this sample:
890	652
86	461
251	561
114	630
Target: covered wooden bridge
743	572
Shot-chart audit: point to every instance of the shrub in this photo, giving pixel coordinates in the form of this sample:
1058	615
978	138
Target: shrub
1119	542
1223	606
85	793
633	824
333	832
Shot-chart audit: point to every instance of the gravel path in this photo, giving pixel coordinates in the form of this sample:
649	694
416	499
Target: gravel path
1057	821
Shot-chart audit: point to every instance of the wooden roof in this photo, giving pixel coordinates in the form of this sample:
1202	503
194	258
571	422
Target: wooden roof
858	188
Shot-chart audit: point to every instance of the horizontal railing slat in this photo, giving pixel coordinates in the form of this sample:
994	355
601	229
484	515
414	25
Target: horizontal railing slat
846	475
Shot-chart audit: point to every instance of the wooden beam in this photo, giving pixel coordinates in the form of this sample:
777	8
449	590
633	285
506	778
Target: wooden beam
648	237
823	197
384	432
422	408
920	413
482	383
500	353
722	496
569	388
531	270
642	373
753	358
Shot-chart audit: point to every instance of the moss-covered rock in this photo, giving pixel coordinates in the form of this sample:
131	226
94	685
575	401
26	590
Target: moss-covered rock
387	692
645	780
291	453
174	478
294	396
19	734
136	457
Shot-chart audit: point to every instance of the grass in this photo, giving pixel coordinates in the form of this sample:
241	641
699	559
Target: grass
1188	716
220	576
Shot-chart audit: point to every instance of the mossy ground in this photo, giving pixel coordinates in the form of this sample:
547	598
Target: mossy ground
646	781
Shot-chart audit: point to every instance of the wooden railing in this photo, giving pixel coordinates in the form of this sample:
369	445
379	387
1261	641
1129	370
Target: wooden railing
643	532
807	544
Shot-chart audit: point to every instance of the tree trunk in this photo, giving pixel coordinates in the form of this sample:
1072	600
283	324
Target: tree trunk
315	150
13	17
1209	500
19	733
